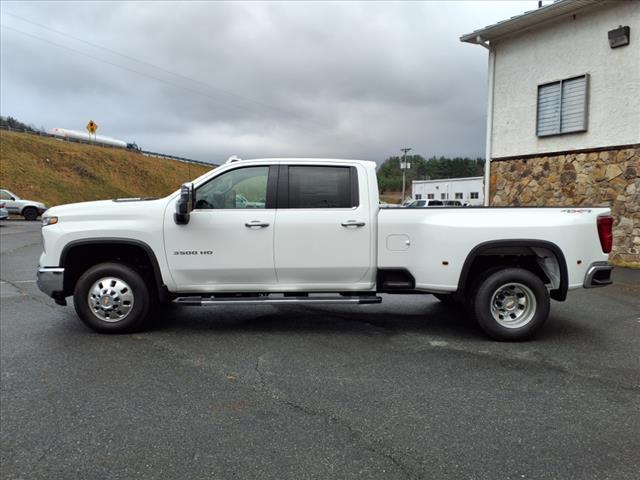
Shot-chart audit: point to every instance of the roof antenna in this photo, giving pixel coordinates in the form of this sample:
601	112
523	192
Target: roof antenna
539	3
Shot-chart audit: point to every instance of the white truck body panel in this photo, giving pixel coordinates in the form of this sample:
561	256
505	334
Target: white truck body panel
313	248
449	235
139	221
242	258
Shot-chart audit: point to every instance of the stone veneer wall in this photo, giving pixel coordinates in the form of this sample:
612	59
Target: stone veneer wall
608	178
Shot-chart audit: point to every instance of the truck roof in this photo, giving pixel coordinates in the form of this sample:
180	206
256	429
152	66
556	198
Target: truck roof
234	159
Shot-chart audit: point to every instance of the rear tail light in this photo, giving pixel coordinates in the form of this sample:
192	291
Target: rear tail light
605	232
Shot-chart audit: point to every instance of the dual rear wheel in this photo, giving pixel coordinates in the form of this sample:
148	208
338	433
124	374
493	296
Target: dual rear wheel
509	304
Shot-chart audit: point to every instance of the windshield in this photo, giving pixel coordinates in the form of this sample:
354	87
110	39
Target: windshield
7	195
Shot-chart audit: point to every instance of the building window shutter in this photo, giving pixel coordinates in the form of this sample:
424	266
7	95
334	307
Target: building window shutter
574	94
562	107
549	109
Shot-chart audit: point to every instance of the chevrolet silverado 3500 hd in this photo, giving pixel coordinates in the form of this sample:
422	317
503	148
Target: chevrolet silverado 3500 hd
277	231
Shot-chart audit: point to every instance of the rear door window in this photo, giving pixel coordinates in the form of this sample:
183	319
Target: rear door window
312	186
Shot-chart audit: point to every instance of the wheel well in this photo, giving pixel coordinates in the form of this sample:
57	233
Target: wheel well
78	258
543	259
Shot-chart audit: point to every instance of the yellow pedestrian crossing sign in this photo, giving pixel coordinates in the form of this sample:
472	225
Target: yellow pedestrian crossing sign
92	126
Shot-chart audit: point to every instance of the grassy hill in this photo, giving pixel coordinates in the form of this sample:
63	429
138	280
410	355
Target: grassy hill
56	172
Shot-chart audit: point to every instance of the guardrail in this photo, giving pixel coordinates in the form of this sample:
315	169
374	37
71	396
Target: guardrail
173	157
104	145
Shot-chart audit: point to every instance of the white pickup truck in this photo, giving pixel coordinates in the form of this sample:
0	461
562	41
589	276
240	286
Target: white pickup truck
278	231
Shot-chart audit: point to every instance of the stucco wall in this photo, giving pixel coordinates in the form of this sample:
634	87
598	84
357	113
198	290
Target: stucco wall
563	49
608	178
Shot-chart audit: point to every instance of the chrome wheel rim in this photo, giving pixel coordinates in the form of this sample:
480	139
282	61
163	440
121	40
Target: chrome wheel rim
110	299
513	305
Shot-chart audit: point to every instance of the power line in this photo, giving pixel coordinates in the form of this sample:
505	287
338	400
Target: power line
144	74
128	57
197	92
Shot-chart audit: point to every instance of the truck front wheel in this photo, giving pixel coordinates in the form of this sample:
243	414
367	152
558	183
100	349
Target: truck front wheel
112	298
511	304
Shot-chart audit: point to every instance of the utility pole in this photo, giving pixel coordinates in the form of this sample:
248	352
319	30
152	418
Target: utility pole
404	166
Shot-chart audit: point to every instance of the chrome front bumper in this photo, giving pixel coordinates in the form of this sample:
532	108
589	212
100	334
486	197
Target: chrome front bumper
51	281
598	275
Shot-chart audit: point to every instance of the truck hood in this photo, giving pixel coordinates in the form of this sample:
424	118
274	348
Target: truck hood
117	208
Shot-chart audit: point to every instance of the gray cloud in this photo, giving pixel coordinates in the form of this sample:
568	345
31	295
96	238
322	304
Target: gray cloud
355	80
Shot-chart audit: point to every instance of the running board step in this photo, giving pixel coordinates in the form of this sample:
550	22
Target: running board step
209	301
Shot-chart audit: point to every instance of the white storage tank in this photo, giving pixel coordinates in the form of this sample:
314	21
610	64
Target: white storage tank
74	134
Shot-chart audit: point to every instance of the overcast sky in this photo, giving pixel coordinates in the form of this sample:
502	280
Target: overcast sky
352	80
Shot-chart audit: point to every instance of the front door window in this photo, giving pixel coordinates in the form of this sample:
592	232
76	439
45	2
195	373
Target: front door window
240	188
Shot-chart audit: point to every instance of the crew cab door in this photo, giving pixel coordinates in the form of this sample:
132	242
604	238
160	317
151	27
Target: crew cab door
323	228
228	242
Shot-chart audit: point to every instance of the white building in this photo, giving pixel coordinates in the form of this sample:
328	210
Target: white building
566	41
563	111
466	190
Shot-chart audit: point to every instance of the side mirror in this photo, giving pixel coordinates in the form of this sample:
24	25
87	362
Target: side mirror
184	205
13	198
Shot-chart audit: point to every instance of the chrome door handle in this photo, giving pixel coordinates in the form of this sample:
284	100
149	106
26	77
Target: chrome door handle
256	224
353	223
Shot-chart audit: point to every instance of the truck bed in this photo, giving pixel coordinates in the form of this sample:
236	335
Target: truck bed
434	243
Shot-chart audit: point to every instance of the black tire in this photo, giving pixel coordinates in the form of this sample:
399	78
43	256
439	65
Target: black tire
472	289
30	213
510	304
135	288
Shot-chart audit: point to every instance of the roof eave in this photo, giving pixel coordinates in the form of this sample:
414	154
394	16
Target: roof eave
527	20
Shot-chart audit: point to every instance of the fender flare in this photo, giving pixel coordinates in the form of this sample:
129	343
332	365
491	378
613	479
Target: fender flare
155	266
559	294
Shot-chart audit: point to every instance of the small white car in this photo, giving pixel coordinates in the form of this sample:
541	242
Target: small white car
29	209
4	213
431	203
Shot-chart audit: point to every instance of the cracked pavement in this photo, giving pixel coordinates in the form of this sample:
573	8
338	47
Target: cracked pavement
407	389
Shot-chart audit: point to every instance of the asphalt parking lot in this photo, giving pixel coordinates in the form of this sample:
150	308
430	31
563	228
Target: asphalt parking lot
405	389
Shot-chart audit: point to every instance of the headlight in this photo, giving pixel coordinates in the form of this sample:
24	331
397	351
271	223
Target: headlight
49	221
